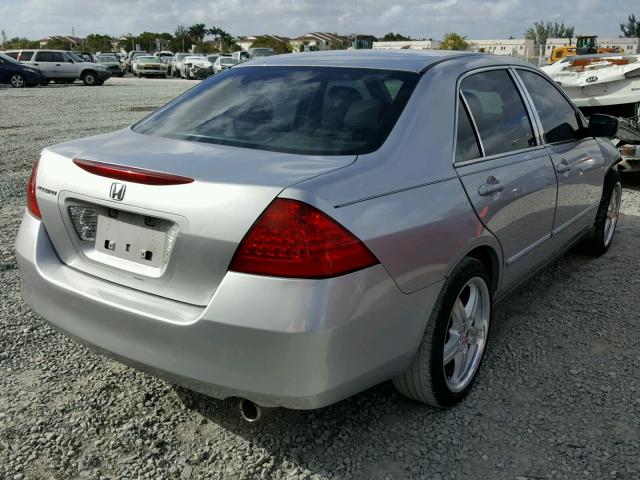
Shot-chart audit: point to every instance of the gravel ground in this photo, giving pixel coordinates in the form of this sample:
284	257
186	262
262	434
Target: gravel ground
558	397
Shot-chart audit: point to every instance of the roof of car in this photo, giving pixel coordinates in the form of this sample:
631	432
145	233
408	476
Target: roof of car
407	60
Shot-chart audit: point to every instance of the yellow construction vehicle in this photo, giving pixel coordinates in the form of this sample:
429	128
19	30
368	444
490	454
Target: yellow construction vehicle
585	45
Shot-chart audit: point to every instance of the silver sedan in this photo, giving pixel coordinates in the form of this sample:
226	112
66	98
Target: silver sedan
301	227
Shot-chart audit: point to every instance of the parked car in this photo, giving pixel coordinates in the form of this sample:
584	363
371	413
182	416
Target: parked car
212	58
131	56
223	62
261	52
295	234
174	63
17	75
197	67
241	56
63	67
164	56
148	66
112	63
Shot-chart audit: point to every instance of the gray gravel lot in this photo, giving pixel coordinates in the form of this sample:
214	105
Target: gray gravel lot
558	397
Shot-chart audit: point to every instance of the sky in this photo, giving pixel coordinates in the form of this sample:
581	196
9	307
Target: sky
477	19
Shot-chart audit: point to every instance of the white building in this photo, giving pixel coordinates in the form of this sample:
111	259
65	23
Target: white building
516	47
407	45
626	45
557	43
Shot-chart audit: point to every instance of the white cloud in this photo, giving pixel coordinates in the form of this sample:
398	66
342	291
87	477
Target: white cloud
418	18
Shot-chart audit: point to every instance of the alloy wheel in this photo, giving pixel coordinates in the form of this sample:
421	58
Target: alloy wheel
613	212
17	81
466	336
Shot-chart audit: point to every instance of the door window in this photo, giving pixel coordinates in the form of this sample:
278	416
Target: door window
558	117
25	55
56	57
498	111
466	142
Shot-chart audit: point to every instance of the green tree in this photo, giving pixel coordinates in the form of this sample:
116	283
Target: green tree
21	42
454	41
197	32
225	41
395	37
541	31
270	42
181	40
96	42
631	29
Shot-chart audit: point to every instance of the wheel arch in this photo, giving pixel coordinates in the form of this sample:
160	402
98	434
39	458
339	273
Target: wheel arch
485	249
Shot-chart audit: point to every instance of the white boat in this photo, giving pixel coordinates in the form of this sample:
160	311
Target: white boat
599	80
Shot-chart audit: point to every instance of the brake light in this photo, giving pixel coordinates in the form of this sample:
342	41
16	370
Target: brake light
131	174
293	239
32	202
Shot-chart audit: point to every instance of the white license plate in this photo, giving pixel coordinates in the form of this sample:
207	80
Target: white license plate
132	237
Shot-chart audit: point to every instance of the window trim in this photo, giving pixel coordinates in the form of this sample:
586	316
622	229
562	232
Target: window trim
527	106
579	116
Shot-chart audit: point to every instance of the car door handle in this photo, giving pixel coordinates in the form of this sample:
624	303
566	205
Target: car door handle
58	65
563	166
36	64
493	185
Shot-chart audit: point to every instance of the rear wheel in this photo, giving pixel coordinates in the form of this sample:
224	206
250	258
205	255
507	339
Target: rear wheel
89	78
606	222
454	341
18	81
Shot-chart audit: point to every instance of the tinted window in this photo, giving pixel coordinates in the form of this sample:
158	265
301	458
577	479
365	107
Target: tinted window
498	111
26	55
558	117
50	57
285	109
12	54
466	142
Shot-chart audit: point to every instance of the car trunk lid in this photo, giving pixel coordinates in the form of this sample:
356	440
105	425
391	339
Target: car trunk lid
172	240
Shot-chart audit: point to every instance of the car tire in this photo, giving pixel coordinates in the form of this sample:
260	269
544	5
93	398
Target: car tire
18	81
606	221
459	327
89	78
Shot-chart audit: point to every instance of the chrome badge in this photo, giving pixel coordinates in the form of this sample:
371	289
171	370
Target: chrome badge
117	191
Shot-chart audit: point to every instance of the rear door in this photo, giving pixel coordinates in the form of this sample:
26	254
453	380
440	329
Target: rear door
576	156
507	174
46	62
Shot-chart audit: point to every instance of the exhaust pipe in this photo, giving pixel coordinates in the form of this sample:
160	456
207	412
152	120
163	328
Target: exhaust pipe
252	412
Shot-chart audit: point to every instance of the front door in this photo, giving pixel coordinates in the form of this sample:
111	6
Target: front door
577	158
508	177
66	68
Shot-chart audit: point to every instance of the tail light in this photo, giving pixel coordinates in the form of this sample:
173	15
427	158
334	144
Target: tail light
32	202
628	150
293	239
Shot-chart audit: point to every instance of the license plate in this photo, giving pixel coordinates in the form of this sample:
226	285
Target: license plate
132	237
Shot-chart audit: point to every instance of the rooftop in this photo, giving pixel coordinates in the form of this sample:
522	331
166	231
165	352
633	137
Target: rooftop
408	60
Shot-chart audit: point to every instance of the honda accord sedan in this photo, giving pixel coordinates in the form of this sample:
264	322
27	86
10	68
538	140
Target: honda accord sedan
301	227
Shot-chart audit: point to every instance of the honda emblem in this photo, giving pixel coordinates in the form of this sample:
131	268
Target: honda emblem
117	191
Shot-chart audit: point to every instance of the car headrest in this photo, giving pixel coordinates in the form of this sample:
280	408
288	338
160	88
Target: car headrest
363	114
342	93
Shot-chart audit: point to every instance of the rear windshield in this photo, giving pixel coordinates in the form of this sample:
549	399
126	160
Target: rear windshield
306	110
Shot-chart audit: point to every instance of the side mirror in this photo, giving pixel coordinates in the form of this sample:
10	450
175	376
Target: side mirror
603	125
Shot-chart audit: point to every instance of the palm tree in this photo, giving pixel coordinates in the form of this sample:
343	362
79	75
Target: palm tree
197	32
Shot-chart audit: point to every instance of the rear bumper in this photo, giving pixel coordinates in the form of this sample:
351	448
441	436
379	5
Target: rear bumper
155	73
278	342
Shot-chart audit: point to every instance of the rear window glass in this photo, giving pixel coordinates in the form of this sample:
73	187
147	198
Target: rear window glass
13	55
307	110
26	55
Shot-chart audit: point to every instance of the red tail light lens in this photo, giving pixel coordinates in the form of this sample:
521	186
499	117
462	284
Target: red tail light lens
32	203
293	239
131	174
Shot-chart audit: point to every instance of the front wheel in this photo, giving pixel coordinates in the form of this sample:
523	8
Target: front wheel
18	81
89	79
606	222
454	342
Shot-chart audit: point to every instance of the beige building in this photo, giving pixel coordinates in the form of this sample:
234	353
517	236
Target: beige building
316	41
246	42
626	45
516	47
407	45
